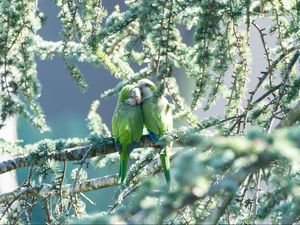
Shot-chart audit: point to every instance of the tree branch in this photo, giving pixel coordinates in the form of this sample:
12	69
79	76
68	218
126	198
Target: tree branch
292	117
220	208
46	189
69	154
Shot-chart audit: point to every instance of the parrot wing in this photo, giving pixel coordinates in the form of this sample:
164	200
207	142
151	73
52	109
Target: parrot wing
158	119
127	126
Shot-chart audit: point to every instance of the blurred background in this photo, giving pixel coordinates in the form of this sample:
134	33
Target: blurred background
66	107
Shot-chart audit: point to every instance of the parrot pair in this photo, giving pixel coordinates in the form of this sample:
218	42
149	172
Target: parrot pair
138	105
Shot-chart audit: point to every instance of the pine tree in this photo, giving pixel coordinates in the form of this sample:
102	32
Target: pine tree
240	166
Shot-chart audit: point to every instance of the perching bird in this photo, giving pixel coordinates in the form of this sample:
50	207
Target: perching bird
127	125
158	119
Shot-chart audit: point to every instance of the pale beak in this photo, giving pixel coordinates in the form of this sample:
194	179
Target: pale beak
138	99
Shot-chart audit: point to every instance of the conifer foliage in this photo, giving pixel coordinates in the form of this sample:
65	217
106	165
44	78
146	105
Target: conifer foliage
238	166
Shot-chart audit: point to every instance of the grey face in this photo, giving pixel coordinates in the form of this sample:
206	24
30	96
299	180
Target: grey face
146	92
134	97
144	86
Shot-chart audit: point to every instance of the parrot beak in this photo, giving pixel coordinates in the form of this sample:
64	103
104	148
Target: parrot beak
138	99
137	96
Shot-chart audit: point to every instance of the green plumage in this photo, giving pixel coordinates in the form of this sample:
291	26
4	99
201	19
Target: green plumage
157	115
158	119
127	127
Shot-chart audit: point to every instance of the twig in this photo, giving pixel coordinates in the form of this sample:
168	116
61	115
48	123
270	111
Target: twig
255	196
81	162
264	43
269	71
245	188
292	117
48	212
87	198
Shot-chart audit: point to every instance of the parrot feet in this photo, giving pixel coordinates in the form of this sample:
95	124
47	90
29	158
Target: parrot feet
156	146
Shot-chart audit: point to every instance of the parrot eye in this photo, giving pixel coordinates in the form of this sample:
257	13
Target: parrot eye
146	92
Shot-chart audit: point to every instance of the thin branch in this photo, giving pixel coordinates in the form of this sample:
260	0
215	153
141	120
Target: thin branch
126	19
245	189
220	208
46	207
76	180
264	43
292	117
255	203
46	190
269	71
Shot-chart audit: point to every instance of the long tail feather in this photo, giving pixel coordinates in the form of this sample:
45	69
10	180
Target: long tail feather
165	162
124	158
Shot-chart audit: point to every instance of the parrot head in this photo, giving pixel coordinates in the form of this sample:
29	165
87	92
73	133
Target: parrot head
147	88
131	95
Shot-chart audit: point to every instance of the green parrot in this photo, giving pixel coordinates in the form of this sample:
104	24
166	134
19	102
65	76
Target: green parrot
158	119
127	125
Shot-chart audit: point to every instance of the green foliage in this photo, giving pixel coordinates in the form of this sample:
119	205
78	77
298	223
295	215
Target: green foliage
233	167
95	124
21	21
209	172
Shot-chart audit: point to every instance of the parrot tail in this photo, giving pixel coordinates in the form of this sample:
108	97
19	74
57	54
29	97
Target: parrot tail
165	162
124	158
